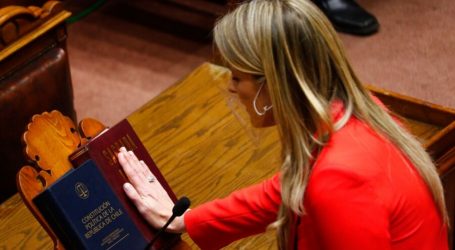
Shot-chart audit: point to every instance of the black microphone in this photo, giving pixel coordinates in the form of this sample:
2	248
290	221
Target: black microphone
179	208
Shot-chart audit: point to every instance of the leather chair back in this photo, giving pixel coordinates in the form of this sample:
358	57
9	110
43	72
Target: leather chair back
34	77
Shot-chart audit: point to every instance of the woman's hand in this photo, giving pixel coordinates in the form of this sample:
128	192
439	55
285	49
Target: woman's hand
147	194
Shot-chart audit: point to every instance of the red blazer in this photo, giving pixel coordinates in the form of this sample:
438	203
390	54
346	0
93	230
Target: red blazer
362	194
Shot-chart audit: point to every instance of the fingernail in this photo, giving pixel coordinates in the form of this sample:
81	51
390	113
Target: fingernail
127	187
123	149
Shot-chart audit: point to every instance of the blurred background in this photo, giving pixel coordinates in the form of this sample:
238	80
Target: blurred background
123	53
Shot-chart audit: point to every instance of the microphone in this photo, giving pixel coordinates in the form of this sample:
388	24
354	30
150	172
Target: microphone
179	208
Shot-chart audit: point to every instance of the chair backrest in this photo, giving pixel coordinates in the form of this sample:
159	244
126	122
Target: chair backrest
34	75
49	139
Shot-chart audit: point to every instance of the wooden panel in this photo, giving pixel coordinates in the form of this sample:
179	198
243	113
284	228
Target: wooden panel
15	28
414	108
433	124
424	131
19	229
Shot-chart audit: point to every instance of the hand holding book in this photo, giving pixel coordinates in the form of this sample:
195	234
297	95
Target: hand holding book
149	196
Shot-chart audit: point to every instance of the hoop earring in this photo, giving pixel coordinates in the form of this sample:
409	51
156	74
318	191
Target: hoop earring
265	108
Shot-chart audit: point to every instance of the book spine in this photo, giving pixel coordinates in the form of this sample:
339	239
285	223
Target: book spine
80	156
58	221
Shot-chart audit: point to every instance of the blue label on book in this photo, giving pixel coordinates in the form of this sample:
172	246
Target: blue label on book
85	213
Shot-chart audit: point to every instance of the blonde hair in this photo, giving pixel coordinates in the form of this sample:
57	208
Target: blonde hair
294	46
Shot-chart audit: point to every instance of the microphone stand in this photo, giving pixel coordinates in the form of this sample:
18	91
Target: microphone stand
179	209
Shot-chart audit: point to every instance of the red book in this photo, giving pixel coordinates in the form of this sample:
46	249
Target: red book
102	150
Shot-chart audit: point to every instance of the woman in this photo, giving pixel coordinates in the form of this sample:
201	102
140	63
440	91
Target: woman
351	177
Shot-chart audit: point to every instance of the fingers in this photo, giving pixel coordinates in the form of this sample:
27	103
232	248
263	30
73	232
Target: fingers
154	212
146	171
136	198
133	170
132	160
142	205
132	193
149	197
141	169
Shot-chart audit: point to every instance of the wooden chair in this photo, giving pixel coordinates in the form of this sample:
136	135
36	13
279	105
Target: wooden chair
34	75
49	139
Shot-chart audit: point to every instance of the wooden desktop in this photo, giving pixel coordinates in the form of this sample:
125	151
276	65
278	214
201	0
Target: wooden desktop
206	149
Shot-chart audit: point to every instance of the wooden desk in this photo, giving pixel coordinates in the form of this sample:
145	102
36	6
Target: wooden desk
203	150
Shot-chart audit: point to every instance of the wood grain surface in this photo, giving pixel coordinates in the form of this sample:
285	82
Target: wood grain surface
19	229
204	147
27	38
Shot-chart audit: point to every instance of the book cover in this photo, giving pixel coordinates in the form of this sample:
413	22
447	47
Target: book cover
86	214
103	151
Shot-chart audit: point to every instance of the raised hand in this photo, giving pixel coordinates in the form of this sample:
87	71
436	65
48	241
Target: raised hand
147	194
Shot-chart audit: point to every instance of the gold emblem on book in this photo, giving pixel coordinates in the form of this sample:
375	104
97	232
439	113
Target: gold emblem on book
81	190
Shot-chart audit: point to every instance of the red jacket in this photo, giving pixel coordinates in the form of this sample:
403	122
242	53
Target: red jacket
362	194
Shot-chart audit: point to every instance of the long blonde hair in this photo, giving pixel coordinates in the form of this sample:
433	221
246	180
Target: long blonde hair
294	46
